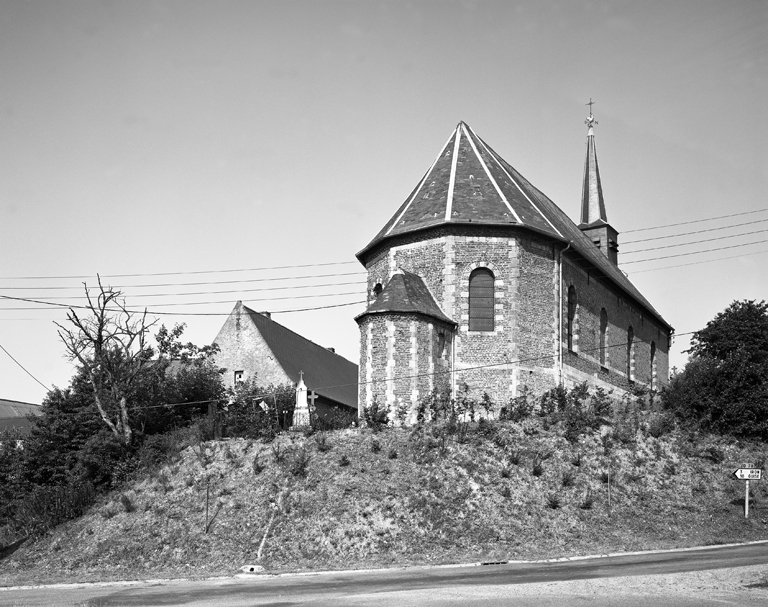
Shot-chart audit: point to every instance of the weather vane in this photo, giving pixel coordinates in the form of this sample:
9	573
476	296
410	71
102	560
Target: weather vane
590	119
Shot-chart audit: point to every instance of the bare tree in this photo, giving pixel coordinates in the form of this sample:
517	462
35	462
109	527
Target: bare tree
109	341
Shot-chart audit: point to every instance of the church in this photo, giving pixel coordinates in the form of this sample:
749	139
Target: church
480	280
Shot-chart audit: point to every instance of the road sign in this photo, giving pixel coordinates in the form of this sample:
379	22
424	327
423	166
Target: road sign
748	474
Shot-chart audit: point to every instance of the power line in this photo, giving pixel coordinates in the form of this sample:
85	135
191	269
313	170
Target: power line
682	223
695	263
717	229
745	244
195	284
23	368
305	265
684	244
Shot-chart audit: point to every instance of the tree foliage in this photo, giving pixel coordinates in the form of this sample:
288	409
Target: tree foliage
724	386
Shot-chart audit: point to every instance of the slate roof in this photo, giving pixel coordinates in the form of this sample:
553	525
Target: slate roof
592	203
13	414
470	184
325	372
406	292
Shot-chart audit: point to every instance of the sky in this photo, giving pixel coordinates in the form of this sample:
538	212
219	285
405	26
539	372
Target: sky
194	154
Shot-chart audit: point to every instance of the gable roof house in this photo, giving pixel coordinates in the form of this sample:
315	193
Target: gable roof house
254	347
480	279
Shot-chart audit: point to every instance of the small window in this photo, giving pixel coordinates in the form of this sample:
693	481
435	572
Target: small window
377	290
603	334
239	377
440	344
481	300
571	328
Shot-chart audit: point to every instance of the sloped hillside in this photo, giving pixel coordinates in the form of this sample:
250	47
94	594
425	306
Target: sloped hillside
355	498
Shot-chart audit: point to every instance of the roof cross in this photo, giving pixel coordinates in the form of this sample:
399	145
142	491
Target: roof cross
590	121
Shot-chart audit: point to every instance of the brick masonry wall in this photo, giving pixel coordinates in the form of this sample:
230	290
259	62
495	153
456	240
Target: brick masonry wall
523	348
242	348
401	360
592	295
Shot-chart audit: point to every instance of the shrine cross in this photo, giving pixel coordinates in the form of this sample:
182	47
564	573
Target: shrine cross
311	398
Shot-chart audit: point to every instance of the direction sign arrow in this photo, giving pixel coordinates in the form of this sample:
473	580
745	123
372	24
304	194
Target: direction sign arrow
748	474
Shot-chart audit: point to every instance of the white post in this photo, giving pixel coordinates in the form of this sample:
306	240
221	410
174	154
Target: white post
746	500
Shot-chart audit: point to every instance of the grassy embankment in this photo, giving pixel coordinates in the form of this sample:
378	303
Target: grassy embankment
355	499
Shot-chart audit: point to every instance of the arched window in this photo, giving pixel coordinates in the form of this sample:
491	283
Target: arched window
631	354
377	290
571	328
481	300
603	332
653	365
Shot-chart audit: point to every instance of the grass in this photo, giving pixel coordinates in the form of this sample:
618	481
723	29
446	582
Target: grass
415	498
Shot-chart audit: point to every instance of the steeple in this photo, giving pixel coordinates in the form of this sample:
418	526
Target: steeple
594	221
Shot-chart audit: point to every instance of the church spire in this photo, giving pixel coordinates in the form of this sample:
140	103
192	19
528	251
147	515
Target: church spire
592	203
594	221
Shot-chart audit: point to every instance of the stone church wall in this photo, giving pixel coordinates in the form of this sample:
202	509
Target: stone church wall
415	358
523	349
583	363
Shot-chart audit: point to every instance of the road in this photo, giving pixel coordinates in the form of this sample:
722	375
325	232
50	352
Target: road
617	580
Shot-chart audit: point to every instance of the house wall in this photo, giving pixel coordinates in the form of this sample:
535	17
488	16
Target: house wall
242	348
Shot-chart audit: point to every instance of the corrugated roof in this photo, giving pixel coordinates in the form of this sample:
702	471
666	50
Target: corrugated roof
406	293
470	184
325	372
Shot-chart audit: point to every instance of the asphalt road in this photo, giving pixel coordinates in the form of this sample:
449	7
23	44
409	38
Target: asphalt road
509	584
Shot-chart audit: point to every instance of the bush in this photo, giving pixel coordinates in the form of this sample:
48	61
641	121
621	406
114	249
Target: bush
337	419
321	442
553	501
344	461
376	416
392	453
300	463
568	479
45	507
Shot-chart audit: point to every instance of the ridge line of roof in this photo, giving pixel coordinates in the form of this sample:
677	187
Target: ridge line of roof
294	332
452	178
493	180
418	187
497	158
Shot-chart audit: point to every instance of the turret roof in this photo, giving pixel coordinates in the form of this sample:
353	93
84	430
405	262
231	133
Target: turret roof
406	293
470	184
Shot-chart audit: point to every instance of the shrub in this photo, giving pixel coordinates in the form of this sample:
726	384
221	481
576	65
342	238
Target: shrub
553	501
514	457
376	416
257	466
344	461
588	501
713	454
393	453
519	408
45	507
537	469
299	463
375	446
321	442
338	419
278	453
126	503
505	472
568	479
